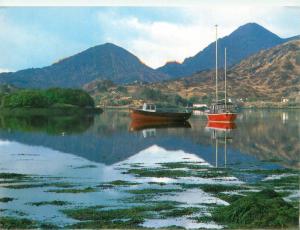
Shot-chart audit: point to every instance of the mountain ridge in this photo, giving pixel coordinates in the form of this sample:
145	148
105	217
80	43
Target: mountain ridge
241	43
106	61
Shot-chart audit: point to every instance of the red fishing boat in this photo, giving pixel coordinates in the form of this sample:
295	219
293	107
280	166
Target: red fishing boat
149	113
221	111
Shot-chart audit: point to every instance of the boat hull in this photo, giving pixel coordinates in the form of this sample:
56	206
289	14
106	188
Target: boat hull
221	117
136	114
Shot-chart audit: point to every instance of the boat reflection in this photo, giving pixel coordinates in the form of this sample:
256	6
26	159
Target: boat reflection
148	128
137	125
220	134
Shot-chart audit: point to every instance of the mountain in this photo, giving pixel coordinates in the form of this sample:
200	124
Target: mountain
106	61
241	43
267	76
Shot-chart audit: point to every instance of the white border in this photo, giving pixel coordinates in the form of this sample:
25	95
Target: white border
145	3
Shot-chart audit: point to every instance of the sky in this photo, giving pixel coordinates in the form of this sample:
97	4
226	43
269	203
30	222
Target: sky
33	37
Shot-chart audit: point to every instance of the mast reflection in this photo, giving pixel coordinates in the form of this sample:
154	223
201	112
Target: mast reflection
220	134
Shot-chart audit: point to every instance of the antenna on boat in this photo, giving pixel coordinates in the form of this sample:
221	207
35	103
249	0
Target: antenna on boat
225	78
216	63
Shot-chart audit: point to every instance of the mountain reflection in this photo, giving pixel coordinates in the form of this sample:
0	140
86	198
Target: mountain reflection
111	136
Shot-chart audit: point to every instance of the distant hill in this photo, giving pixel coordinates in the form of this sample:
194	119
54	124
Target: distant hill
106	61
241	43
267	75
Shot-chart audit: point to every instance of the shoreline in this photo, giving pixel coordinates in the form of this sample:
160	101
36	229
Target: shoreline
66	111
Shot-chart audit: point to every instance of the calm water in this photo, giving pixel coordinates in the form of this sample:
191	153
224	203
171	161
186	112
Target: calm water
98	149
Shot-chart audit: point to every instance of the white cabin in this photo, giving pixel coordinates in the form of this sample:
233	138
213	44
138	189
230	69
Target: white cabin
149	107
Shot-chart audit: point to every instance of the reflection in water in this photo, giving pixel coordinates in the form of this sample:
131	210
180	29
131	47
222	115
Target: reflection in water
220	133
88	152
136	125
105	138
148	128
53	125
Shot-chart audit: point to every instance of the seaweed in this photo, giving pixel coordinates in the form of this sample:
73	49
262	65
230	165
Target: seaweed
6	199
262	209
73	190
54	202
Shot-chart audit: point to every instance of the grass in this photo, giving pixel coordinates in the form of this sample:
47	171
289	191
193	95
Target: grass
73	190
54	202
6	199
265	209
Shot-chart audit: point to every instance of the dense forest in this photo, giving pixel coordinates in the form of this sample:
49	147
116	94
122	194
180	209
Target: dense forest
54	97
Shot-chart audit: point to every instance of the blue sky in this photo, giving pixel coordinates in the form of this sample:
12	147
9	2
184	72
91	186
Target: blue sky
39	36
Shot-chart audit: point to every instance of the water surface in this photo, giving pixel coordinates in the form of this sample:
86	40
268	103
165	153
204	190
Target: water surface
88	153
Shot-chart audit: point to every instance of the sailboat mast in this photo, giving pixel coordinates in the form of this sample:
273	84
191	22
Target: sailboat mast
216	63
225	78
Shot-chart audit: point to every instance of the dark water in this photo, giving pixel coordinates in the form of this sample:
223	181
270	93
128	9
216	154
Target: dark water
54	146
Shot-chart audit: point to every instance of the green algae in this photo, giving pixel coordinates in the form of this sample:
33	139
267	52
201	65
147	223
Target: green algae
102	224
7	222
212	188
95	217
149	172
157	183
73	190
85	166
270	171
179	212
203	219
6	199
39	185
286	182
228	197
262	209
173	173
188	165
152	191
54	202
122	183
12	176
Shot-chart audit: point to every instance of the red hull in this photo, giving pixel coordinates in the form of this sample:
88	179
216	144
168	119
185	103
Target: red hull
221	125
158	116
222	117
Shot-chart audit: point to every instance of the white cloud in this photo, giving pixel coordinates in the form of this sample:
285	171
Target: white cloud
4	70
156	42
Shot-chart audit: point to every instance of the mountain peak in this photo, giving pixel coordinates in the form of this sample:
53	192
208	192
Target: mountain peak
253	29
103	62
241	43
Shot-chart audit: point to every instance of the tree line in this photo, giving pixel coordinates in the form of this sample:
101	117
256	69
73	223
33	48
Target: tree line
46	98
